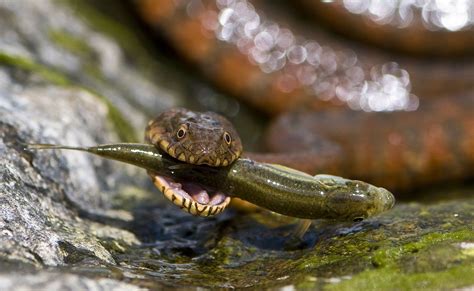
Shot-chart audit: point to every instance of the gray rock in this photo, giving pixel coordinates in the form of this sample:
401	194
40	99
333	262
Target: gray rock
50	33
58	281
42	192
50	63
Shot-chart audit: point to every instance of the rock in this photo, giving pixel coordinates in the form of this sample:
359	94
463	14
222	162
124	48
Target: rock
40	191
57	281
72	52
413	246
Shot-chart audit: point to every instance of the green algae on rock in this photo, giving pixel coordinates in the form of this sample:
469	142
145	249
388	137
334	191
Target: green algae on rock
51	75
403	248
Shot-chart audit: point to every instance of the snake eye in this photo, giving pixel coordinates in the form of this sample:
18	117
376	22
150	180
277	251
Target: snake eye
181	132
227	138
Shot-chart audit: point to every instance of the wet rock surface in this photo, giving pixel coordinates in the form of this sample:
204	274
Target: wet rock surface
42	193
59	281
58	39
70	220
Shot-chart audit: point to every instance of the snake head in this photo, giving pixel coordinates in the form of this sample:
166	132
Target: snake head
200	138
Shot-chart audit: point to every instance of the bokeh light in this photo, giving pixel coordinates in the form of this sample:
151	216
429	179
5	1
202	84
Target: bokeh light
324	72
452	15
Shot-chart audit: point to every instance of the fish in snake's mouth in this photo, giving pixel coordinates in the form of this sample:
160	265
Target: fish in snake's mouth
192	197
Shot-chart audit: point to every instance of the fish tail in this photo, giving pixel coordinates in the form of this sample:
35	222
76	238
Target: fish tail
45	146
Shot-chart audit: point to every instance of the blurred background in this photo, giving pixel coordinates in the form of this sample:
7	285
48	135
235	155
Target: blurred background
381	91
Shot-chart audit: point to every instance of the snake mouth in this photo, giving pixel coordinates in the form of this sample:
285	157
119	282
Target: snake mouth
192	197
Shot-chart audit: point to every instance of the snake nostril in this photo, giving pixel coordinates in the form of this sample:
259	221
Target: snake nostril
203	148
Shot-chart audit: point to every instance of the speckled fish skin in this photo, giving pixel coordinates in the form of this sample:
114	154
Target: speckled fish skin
293	193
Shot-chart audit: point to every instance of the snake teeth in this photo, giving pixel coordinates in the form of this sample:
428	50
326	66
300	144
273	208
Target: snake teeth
182	157
171	151
164	145
191	197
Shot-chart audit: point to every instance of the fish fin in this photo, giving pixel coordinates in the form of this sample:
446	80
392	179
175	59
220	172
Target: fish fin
289	170
301	228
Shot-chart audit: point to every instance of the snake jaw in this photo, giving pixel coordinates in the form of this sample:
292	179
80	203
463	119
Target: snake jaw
191	197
